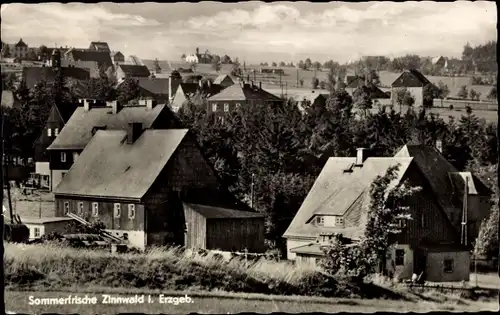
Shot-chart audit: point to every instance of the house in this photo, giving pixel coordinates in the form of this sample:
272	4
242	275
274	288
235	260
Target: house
9	99
440	62
155	188
224	80
91	116
117	57
358	82
34	75
237	95
414	82
132	71
157	88
191	91
339	200
92	60
191	58
20	49
44	226
313	98
99	46
58	116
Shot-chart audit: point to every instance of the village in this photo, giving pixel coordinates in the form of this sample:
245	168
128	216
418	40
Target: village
206	173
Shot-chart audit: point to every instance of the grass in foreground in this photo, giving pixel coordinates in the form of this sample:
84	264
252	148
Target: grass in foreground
232	303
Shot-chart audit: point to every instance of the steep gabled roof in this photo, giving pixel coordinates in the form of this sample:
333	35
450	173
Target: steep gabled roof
66	111
109	167
158	86
34	75
221	78
236	92
411	78
211	212
102	46
375	91
135	70
474	185
77	132
102	58
336	192
21	43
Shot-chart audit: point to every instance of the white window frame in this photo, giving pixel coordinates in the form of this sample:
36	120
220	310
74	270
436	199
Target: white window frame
56	132
49	132
226	107
117	212
36	232
95	209
66	207
446	270
80	208
131	211
320	220
63	156
214	107
339	221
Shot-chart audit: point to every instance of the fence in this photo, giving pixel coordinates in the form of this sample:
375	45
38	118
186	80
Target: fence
462	104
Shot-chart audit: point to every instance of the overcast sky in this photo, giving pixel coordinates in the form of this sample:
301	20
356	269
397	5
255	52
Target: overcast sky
256	31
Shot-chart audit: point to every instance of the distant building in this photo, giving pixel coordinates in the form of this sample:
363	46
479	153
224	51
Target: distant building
224	80
155	188
20	49
99	46
357	82
191	59
414	82
89	59
195	92
440	61
117	57
44	226
131	71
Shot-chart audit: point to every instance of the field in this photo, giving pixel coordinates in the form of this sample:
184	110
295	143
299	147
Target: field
224	303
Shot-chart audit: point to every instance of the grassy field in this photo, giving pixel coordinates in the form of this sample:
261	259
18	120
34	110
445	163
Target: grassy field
18	301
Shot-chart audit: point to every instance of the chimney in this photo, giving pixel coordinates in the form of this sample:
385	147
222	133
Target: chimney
150	103
360	156
115	106
86	105
439	145
134	131
260	85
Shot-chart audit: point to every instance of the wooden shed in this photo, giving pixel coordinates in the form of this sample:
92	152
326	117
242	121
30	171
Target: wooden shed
216	228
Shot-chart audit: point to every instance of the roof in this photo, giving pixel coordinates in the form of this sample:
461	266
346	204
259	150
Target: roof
221	78
108	162
135	70
211	212
114	53
34	75
21	43
335	193
444	247
375	91
236	92
436	168
66	110
309	249
411	78
154	85
77	131
102	58
100	45
45	220
474	185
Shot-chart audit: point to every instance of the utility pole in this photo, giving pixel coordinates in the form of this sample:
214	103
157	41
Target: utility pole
297	76
2	276
251	192
498	225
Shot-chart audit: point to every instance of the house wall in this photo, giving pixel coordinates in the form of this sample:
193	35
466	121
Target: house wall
220	106
56	177
179	100
196	235
120	75
416	92
44	141
307	259
32	226
42	168
406	270
435	266
293	243
57	227
236	234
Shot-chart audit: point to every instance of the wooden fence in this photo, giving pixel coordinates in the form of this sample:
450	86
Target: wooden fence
463	104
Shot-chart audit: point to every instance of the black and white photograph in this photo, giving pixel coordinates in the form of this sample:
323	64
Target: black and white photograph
229	157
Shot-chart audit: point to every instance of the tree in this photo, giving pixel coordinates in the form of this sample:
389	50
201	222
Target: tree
129	90
157	66
431	92
301	65
9	81
362	99
322	85
404	97
373	76
6	51
216	64
236	70
301	81
473	94
444	91
282	64
492	95
314	83
274	64
193	66
330	80
226	60
463	93
308	64
317	65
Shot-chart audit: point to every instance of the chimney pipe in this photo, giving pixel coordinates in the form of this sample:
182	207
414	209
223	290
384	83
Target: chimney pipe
150	103
360	157
134	131
115	106
86	105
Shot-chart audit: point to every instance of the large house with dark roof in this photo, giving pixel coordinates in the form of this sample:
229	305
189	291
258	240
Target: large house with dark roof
195	92
89	59
237	95
58	116
20	49
224	80
156	88
131	71
92	116
430	242
358	82
99	46
414	82
155	188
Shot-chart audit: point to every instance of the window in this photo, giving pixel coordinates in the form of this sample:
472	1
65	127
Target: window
49	132
117	210
226	107
401	223
37	232
80	208
131	211
95	209
448	265
66	207
339	221
56	132
400	257
63	156
75	156
214	107
320	220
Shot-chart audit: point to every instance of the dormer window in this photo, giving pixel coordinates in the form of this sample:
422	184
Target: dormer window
49	132
320	221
